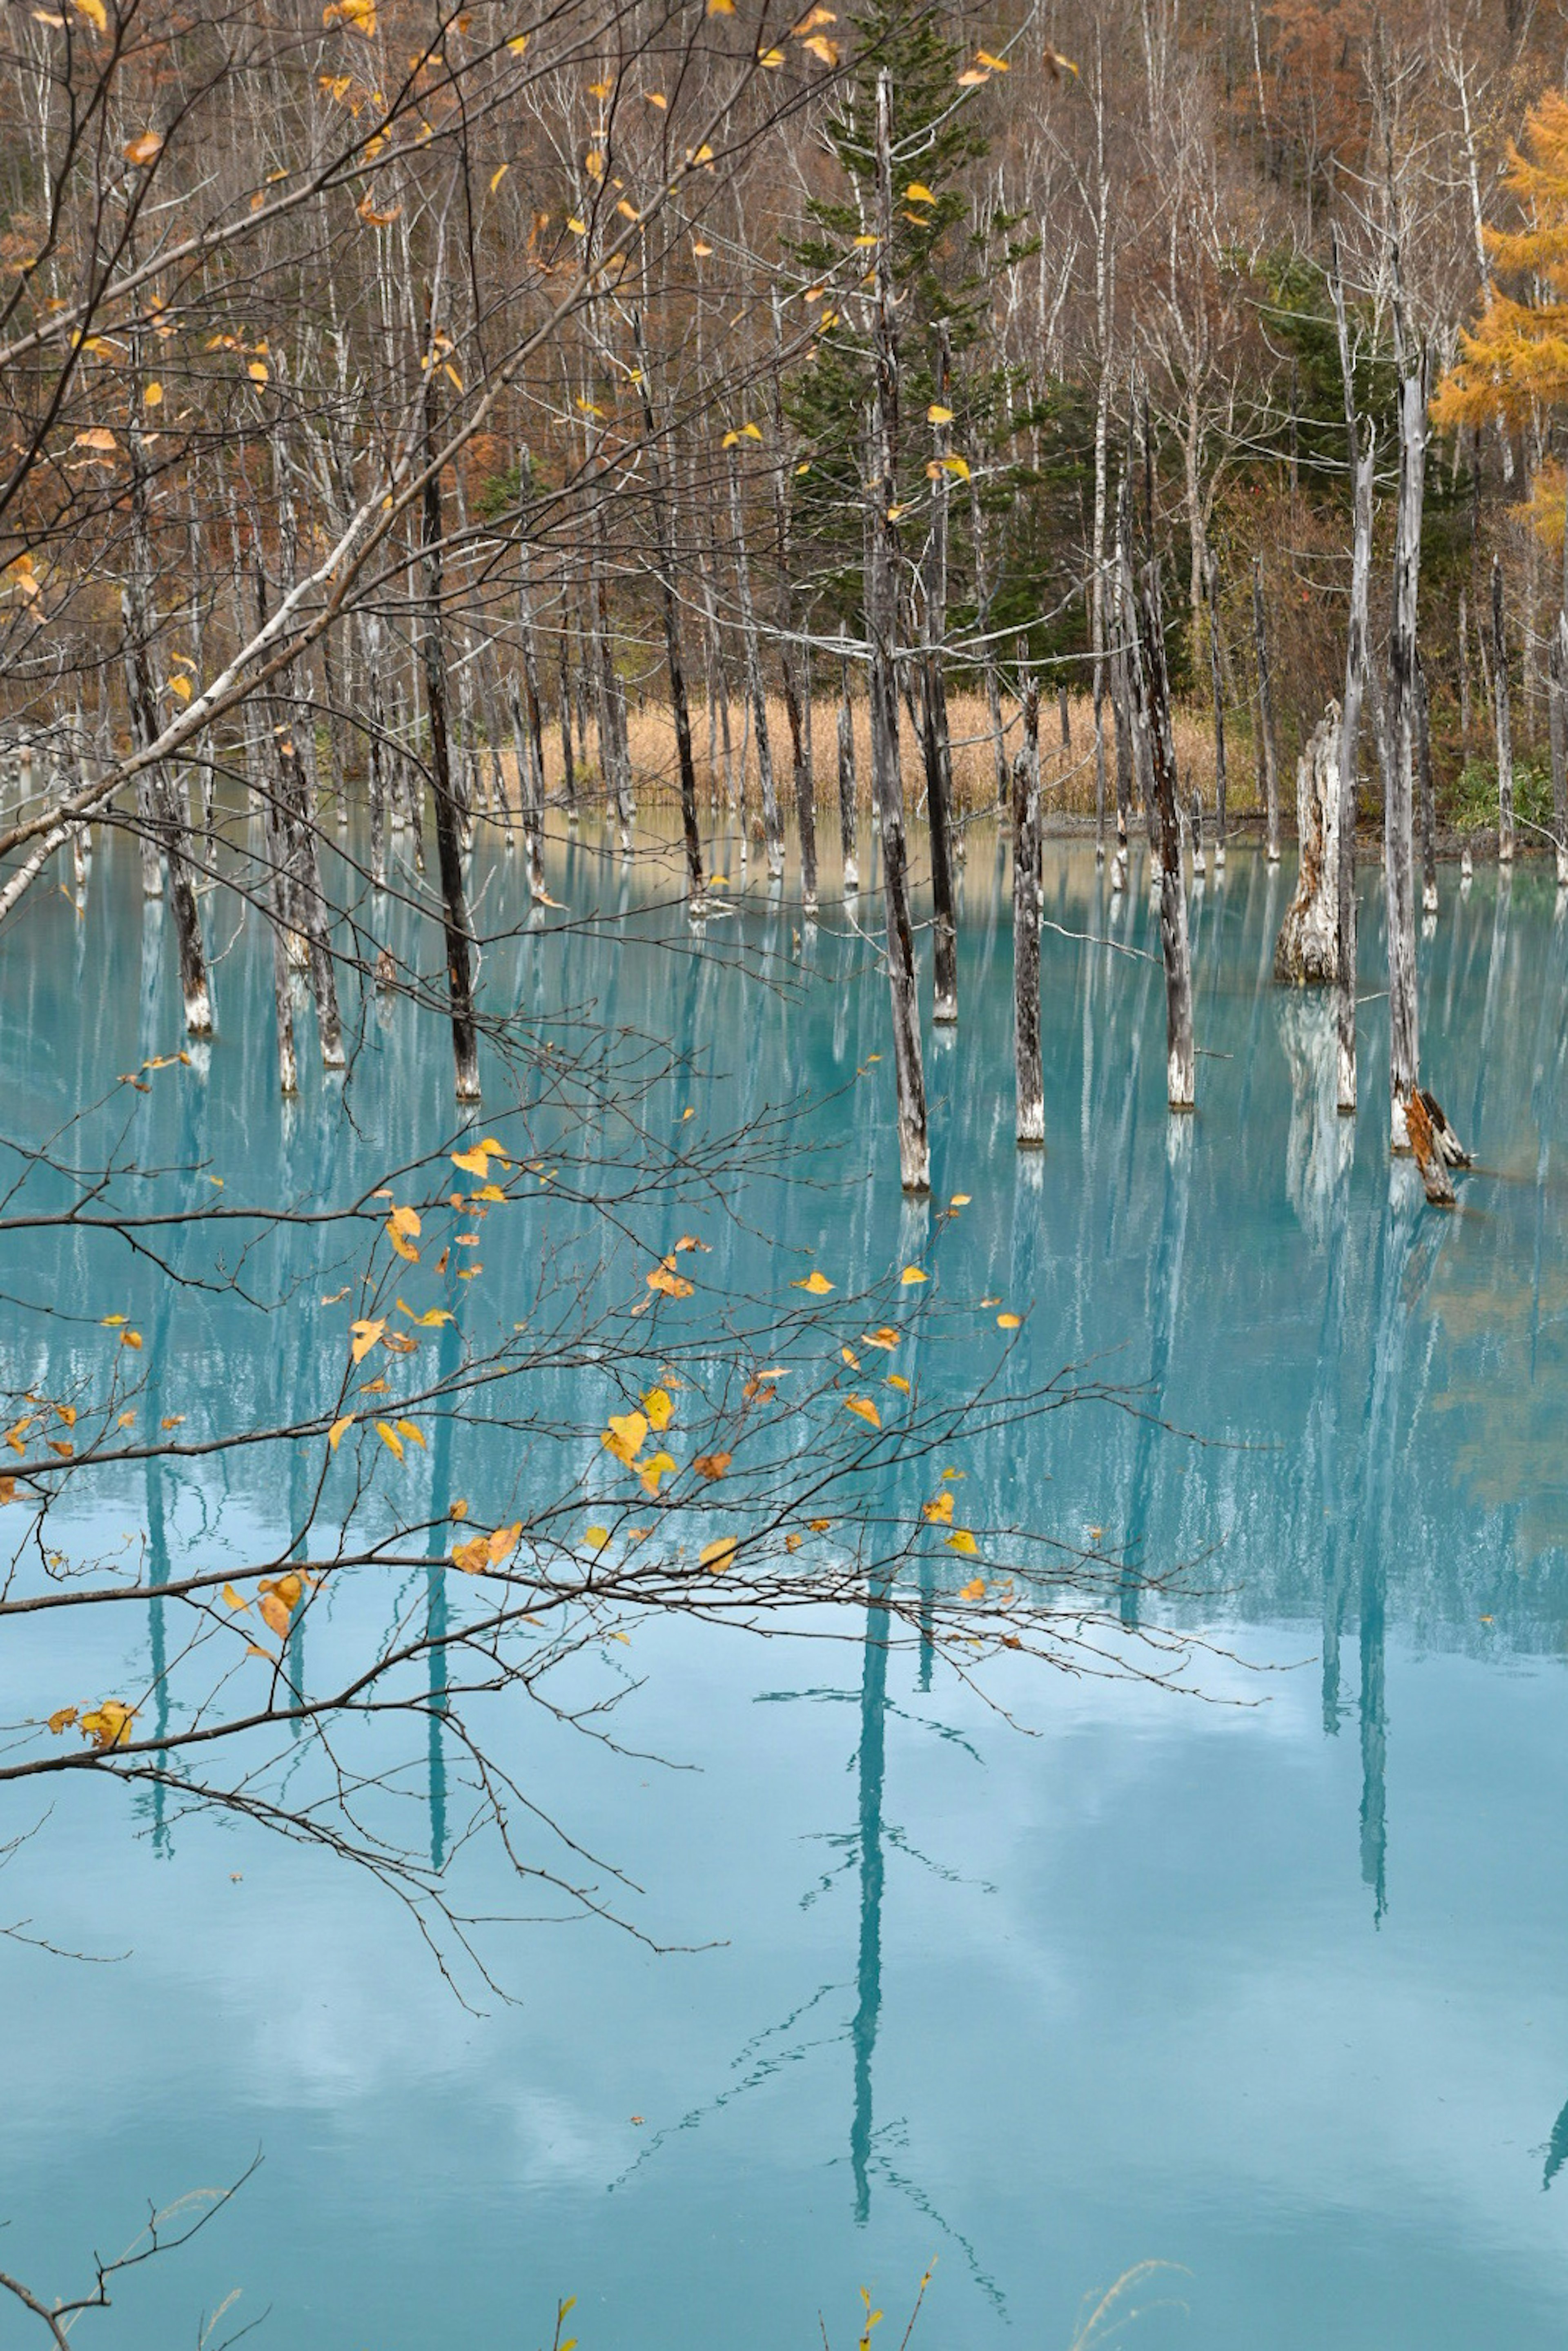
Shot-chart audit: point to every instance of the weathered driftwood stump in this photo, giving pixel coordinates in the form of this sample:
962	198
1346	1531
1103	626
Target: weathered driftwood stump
1307	951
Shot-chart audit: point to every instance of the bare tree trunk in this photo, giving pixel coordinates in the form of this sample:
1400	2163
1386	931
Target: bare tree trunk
772	826
1306	954
1504	718
1557	687
1153	690
1030	1081
988	648
881	621
847	791
663	526
1349	748
1464	674
1217	682
568	766
1270	762
793	664
1403	1014
613	757
459	929
1427	794
937	745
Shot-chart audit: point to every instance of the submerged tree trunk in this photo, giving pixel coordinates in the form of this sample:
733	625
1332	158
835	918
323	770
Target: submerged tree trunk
1267	755
459	929
881	621
1504	718
1306	954
1153	693
1030	1082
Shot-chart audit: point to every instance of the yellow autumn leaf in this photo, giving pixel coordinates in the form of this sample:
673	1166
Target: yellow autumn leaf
917	192
473	1556
959	465
716	1556
517	44
897	1379
95	12
596	1536
577	229
815	1282
667	1282
820	47
152	396
335	1434
402	1231
625	1435
409	1434
911	1275
999	65
109	1725
976	1591
365	1337
939	1512
145	148
937	414
131	1339
497	176
99	437
390	1438
963	1542
181	687
657	1466
711	1465
62	1718
232	1599
885	1336
659	1405
275	1615
864	1410
1009	1322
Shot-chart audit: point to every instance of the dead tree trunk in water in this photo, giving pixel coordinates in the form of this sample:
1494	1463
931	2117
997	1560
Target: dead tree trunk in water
847	811
1425	791
1349	749
1153	692
1031	1120
793	662
772	826
614	754
881	621
1398	846
1557	687
988	648
937	743
1217	682
664	533
1306	954
459	933
1504	717
1270	766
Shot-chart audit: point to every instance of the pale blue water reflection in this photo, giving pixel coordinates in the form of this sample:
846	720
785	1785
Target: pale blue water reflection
1270	1984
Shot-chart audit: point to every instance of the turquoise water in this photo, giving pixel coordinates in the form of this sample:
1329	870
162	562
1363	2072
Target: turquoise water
1041	1977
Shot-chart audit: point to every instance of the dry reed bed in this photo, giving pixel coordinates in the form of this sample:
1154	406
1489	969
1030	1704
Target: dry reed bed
1067	774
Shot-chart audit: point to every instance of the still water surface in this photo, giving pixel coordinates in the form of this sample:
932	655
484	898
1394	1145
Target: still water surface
1269	1984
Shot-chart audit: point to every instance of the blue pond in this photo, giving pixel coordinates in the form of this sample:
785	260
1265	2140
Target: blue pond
1038	1976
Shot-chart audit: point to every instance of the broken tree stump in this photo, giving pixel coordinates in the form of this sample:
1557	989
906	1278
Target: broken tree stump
1306	954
